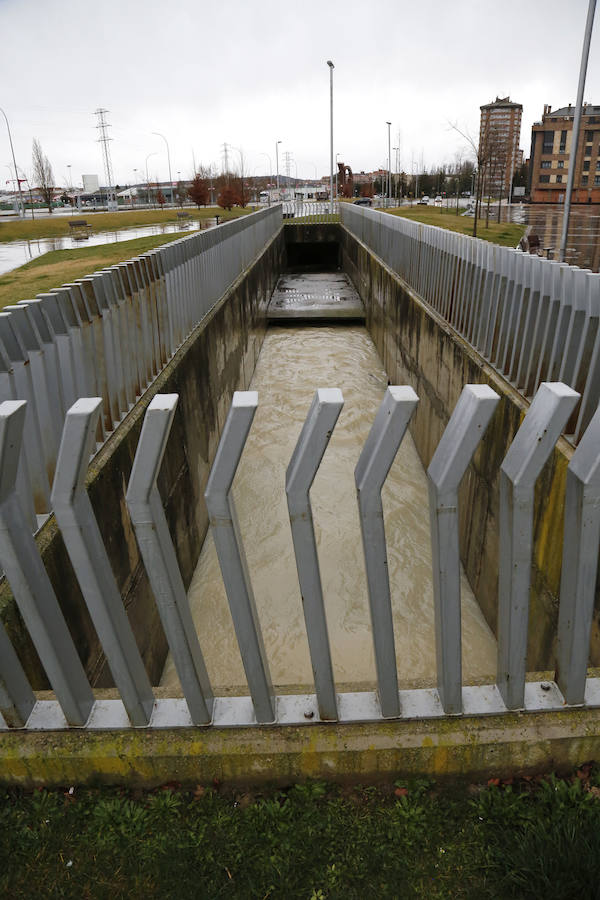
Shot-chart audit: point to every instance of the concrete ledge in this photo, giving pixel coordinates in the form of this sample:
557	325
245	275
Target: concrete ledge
476	747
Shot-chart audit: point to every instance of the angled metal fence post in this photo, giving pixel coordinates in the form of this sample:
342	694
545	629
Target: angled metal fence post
31	587
88	556
154	540
529	451
230	550
372	469
48	341
454	452
46	407
579	564
33	448
306	459
16	696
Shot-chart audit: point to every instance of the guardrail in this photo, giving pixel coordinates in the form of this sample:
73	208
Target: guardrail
75	704
532	319
110	334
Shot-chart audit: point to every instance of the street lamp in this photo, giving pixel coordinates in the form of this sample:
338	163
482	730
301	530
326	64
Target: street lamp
331	68
396	167
147	178
158	134
389	190
277	143
12	150
576	123
336	174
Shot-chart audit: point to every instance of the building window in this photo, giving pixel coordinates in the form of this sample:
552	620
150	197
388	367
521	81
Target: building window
596	179
597	164
588	150
548	142
589	136
558	179
561	164
586	165
584	179
546	164
563	141
544	179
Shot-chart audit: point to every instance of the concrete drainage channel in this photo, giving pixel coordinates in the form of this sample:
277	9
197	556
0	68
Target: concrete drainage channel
349	700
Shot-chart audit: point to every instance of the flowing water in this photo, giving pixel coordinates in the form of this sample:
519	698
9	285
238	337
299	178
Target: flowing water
292	364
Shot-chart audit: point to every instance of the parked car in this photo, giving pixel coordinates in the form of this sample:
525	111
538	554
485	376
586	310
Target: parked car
425	199
363	201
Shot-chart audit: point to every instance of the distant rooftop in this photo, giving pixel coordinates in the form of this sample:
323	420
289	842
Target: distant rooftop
501	101
569	111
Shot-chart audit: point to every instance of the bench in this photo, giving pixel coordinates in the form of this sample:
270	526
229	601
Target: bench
79	224
183	215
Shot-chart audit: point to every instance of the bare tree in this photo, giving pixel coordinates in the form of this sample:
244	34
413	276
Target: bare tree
481	151
42	174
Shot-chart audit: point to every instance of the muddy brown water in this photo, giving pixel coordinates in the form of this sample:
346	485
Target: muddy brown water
292	364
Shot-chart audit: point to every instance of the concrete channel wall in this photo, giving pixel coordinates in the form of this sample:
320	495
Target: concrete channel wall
217	358
419	348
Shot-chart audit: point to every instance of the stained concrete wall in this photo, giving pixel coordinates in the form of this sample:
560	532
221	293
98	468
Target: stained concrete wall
419	348
217	358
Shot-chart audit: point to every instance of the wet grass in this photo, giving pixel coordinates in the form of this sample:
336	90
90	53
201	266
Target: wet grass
506	234
58	226
533	839
62	266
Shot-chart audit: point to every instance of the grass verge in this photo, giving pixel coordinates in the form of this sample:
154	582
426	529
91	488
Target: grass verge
63	266
506	234
58	226
538	838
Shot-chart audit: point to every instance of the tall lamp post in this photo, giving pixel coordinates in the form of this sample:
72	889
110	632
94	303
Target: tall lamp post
396	167
389	190
158	134
12	150
576	124
331	68
277	143
147	178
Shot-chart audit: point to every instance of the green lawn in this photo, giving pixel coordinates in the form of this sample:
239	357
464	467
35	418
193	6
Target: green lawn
63	266
506	234
534	840
57	226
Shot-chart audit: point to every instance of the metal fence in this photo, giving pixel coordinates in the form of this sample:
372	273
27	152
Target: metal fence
75	704
110	334
310	212
532	319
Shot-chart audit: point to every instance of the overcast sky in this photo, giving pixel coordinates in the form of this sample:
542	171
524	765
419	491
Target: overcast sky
249	74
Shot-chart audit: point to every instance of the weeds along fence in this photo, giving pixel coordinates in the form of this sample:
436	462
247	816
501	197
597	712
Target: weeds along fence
532	319
109	334
75	704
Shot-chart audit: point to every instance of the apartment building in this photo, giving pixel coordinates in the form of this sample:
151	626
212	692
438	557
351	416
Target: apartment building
551	156
499	136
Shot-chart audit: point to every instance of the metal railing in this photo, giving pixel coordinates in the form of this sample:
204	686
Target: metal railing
75	704
310	212
110	334
532	319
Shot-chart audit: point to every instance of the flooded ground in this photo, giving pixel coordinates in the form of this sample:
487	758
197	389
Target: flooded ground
17	253
292	364
583	243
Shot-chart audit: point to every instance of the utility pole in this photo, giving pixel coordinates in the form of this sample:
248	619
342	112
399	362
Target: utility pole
389	190
12	150
576	125
104	139
331	68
